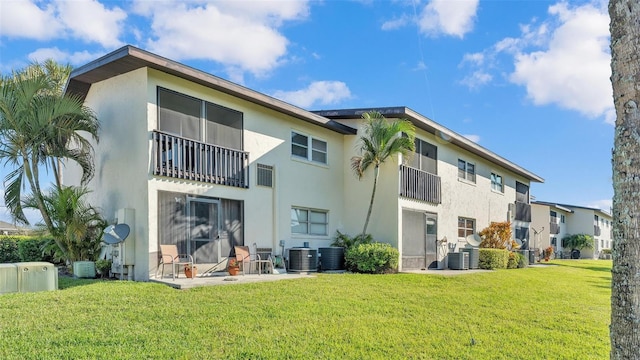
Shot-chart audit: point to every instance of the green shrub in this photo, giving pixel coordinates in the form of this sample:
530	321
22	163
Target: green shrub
517	260
32	249
103	267
523	262
606	251
512	263
493	259
346	241
22	248
373	258
9	249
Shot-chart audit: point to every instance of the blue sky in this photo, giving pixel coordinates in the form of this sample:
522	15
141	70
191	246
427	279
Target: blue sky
528	80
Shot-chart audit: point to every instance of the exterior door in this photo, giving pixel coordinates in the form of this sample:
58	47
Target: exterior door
204	230
419	235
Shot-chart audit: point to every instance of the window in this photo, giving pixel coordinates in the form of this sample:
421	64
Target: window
496	183
199	120
562	218
554	241
466	171
425	157
264	175
522	192
466	227
308	148
307	221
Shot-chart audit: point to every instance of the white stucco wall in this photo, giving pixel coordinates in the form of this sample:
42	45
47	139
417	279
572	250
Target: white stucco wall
459	198
540	222
121	160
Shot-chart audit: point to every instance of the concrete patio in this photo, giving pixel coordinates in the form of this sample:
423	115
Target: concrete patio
223	278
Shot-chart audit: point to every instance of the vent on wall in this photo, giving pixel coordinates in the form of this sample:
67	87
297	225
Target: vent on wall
265	175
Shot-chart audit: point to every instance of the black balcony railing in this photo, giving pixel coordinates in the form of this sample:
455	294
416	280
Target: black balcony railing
182	158
419	185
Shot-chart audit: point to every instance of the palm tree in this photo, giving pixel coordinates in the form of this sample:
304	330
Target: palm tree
577	242
38	126
381	139
77	226
625	79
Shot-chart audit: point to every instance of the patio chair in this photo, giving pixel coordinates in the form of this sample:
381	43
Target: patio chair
169	256
244	258
263	258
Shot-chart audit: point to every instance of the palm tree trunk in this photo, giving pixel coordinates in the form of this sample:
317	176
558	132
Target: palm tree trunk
32	175
625	79
55	165
373	195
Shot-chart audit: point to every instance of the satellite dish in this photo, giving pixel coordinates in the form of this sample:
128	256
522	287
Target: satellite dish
474	240
115	234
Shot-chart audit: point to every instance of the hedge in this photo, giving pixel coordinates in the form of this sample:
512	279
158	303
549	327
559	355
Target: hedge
23	248
493	259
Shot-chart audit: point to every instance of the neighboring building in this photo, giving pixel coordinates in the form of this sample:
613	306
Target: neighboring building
191	159
557	221
10	229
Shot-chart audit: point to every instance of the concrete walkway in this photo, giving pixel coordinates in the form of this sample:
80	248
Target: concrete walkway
223	278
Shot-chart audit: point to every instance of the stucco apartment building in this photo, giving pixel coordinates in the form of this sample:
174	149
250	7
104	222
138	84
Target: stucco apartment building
190	159
552	222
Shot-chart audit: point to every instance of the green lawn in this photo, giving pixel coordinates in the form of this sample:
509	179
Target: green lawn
552	312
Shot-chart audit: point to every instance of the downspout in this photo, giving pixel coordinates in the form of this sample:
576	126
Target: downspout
274	210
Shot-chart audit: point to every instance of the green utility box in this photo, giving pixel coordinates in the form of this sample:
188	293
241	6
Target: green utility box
37	276
8	278
84	269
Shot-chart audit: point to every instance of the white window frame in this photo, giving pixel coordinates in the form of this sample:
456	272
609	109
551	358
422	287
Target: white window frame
495	185
468	176
310	149
309	222
465	228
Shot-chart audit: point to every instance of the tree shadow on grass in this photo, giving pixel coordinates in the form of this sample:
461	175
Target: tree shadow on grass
67	282
576	264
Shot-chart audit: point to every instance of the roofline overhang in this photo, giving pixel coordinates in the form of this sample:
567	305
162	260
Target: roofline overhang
442	134
569	207
129	58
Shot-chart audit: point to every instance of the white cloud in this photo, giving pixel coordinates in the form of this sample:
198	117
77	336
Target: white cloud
91	21
604	204
396	23
76	58
474	138
448	17
87	20
25	19
573	71
477	79
241	35
563	60
319	92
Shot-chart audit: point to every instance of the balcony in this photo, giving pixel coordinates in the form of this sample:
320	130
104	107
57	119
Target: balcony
596	230
523	211
419	185
554	228
182	158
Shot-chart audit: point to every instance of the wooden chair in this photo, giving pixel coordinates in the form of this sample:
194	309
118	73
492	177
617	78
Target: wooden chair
169	256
